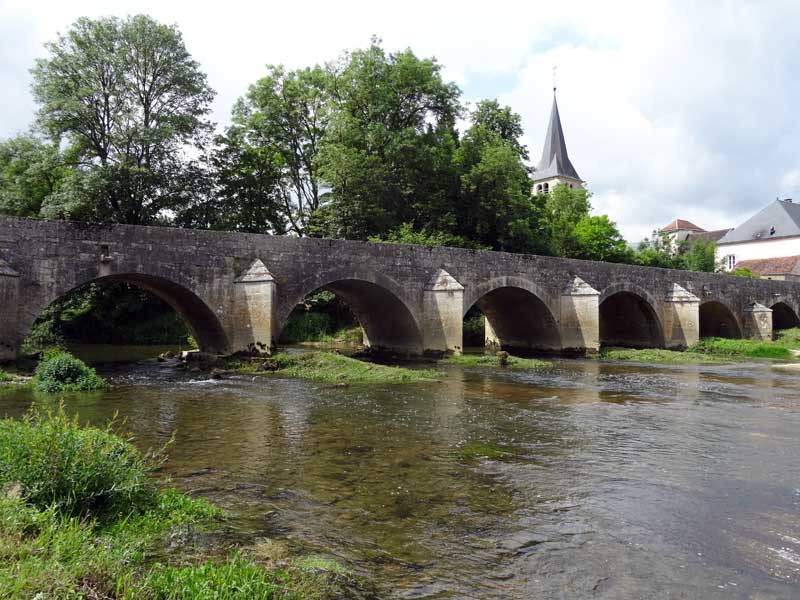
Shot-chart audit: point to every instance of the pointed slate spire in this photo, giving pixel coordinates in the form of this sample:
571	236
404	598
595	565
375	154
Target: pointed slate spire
555	160
256	272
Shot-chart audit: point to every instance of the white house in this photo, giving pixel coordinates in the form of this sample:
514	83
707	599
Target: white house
772	233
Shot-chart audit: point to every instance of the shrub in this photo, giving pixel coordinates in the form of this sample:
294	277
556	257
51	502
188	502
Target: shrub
77	469
4	376
59	371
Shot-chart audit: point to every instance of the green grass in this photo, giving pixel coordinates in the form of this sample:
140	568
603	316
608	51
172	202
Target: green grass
88	532
748	348
328	367
659	356
492	360
714	350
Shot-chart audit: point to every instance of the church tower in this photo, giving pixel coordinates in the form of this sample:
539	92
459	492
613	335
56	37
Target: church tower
554	167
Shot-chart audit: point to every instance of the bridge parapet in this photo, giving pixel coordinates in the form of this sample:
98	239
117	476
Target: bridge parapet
237	290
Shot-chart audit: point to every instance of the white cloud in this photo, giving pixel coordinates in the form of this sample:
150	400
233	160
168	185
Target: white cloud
670	109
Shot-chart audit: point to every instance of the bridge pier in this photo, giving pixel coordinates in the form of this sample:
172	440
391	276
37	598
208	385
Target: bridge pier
9	312
757	322
580	317
681	318
253	317
442	310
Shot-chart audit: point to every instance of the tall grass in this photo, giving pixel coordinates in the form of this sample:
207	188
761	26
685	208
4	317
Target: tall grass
78	470
82	517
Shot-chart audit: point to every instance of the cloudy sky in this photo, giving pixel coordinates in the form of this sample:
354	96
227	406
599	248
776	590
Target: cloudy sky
670	109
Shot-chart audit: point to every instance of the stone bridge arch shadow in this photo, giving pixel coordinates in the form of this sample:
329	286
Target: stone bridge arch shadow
388	319
519	315
718	320
629	318
198	317
784	315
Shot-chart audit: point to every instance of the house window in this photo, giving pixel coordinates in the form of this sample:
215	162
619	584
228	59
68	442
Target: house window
571	186
539	188
731	261
546	188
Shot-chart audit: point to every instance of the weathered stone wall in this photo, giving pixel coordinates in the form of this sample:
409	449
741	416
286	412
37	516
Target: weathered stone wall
204	274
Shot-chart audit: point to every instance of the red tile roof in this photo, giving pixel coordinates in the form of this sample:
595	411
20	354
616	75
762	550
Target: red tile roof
780	265
681	225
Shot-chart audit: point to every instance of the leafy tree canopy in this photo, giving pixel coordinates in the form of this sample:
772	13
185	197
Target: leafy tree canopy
129	100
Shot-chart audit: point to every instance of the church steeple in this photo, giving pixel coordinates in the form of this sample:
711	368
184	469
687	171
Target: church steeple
554	166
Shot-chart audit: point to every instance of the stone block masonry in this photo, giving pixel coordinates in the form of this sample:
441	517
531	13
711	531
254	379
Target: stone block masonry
236	290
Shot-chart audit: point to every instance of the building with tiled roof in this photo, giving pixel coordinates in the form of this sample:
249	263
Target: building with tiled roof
772	233
680	225
781	267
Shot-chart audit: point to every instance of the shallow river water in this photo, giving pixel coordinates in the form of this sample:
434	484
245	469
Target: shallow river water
605	480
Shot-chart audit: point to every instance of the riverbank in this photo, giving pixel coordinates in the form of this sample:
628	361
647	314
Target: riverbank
328	367
500	359
785	346
100	527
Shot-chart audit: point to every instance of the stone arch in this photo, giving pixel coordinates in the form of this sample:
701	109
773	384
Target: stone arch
784	315
628	317
379	303
201	321
518	314
717	319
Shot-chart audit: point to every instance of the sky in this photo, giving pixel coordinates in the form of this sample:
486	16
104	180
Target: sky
671	109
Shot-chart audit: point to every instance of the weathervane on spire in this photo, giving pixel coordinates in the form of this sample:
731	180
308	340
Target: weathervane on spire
554	78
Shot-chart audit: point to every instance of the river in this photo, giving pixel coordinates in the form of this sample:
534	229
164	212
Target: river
603	480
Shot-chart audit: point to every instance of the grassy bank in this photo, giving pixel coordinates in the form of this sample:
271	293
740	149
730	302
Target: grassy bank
81	516
714	350
328	367
494	360
660	356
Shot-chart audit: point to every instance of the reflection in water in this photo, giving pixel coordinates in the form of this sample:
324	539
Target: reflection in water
613	481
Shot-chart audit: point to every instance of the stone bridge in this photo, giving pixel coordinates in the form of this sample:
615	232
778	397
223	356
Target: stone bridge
236	291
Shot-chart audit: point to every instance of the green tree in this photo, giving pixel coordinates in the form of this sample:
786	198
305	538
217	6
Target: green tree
405	234
387	155
699	256
564	208
657	251
30	170
242	191
502	121
744	272
597	238
128	98
269	154
495	207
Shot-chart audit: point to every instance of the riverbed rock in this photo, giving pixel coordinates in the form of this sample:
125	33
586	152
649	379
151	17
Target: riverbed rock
202	360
